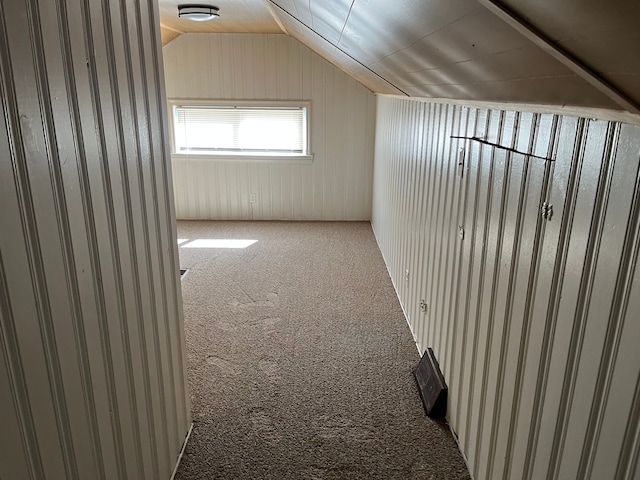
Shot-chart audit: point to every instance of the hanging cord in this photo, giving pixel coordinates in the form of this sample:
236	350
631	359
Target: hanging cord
509	149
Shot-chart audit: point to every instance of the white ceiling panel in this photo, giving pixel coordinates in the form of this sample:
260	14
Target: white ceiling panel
236	16
544	52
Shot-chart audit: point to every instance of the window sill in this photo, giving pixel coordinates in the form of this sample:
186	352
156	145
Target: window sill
287	159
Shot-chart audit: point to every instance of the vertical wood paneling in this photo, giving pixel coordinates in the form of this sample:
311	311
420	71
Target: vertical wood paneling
532	319
336	186
91	341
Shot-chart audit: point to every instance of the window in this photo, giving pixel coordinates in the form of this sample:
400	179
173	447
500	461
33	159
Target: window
240	129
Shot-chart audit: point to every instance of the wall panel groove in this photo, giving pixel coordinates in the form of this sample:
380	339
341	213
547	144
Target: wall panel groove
90	387
175	339
531	174
626	269
64	116
28	221
153	394
11	350
522	309
587	281
19	391
506	220
571	149
101	249
157	268
124	244
84	190
630	452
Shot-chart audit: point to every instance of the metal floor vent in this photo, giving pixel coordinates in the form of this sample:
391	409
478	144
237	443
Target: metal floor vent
431	385
183	272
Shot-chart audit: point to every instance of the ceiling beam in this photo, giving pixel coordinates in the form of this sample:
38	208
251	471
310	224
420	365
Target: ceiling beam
564	57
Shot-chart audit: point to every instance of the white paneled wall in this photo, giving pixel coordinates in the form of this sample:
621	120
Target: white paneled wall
92	380
337	185
534	320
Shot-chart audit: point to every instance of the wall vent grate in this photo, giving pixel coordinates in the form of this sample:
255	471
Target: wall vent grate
431	385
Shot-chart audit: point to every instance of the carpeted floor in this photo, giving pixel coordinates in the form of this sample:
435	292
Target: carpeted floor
300	360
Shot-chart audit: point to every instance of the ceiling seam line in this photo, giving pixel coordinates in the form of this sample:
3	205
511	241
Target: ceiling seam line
438	30
338	48
346	20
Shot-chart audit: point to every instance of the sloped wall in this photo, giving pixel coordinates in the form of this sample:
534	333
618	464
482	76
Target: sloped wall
337	185
534	320
92	382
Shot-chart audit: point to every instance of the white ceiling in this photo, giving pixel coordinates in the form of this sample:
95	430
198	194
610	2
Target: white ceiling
560	52
236	16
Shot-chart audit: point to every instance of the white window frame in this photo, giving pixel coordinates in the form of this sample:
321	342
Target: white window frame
305	157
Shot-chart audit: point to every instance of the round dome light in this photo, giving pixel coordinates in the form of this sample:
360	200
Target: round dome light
198	13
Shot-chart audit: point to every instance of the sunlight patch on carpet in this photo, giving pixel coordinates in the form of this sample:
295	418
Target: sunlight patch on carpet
219	243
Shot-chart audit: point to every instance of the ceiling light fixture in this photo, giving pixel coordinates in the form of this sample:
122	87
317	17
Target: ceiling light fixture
198	13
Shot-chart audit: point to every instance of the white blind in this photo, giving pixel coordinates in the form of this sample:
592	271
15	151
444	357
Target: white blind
240	129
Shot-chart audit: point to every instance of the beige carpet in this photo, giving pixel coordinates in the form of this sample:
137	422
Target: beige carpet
300	360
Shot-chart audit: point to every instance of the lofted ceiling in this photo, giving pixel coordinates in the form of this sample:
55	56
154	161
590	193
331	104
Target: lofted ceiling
556	52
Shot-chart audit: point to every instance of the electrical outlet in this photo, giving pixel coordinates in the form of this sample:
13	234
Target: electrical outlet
406	275
253	198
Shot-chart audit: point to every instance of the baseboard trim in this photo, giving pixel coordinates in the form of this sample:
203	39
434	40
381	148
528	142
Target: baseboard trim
184	445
